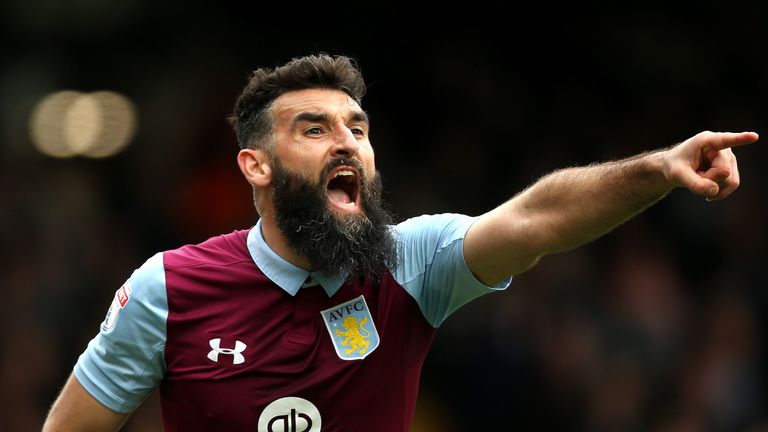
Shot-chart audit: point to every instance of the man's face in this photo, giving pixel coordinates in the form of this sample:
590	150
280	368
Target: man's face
326	192
314	127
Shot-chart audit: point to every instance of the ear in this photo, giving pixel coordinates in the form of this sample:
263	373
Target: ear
255	166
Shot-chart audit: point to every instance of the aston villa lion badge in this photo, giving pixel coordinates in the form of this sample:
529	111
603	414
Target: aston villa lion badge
352	330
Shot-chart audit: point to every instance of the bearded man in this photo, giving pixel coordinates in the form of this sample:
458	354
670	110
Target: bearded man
320	316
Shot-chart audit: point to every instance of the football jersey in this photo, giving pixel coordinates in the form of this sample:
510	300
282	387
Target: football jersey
238	339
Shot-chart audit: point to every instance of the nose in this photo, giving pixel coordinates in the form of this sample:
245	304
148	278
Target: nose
345	144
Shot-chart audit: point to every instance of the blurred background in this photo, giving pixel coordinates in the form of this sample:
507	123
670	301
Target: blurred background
114	145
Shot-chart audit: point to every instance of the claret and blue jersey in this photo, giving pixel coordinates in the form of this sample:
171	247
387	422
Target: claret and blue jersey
239	339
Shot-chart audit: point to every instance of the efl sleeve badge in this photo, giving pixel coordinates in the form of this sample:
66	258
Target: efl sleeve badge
122	296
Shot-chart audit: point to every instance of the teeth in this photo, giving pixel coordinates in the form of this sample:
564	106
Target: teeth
343	173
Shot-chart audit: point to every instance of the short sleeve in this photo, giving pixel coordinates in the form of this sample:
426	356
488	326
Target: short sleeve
124	363
431	264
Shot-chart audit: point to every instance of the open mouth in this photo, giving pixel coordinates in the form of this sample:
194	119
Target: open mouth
343	188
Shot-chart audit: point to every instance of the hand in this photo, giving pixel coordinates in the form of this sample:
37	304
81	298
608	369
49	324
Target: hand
705	163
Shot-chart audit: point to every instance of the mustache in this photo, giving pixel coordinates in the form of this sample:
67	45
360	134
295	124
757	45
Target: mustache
335	163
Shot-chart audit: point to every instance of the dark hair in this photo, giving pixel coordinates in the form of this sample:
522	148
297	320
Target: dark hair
251	119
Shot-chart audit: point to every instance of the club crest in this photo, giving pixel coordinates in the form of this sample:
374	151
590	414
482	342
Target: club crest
352	330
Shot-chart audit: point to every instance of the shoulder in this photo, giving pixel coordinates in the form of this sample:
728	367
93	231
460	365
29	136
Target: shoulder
420	239
447	225
224	249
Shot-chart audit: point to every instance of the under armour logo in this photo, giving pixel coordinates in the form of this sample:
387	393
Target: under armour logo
235	352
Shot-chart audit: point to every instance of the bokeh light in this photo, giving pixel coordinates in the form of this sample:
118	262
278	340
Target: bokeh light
69	123
46	124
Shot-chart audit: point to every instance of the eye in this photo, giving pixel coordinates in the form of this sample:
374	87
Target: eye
358	131
316	130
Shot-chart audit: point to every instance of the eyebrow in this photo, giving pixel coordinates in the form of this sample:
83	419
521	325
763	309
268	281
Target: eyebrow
312	117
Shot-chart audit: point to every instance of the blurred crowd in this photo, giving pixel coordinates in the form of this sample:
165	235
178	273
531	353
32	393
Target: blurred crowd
659	326
617	337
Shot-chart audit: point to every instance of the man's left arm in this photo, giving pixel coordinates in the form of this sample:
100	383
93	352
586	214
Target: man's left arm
573	206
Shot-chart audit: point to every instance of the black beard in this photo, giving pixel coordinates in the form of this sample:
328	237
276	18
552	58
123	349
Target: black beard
359	244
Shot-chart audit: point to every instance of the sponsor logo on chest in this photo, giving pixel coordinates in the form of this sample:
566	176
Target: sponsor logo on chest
351	328
290	414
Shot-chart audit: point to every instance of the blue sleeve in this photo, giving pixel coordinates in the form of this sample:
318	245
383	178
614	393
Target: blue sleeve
432	268
124	363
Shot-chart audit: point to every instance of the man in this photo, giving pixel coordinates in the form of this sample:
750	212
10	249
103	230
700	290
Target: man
320	316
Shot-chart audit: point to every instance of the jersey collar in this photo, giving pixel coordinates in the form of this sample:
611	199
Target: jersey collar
286	275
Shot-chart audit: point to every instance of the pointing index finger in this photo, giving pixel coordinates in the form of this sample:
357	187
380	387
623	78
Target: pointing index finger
723	140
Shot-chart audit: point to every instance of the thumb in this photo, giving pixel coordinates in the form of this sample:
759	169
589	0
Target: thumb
697	184
715	173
